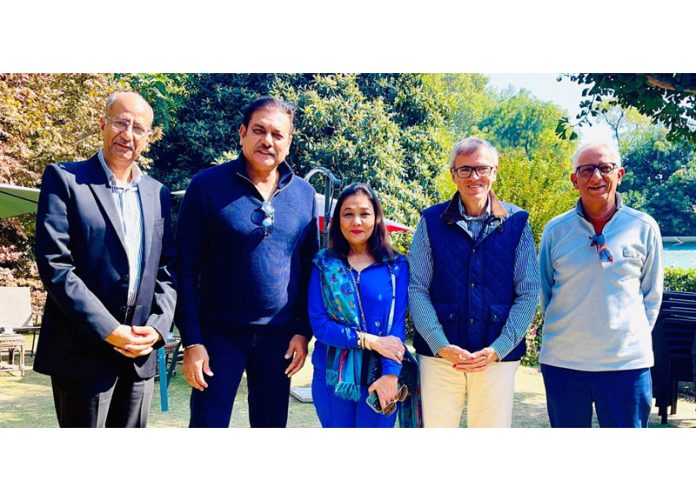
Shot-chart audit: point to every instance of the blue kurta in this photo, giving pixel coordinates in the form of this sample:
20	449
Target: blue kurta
376	297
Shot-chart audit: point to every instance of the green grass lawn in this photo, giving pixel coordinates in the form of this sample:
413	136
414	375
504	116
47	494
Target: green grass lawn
26	402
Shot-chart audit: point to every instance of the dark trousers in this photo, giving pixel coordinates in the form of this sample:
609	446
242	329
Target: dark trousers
123	403
263	358
622	399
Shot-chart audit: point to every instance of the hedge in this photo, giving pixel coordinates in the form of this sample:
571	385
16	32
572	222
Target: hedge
680	280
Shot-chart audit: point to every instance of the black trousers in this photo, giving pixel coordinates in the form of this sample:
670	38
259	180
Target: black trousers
123	403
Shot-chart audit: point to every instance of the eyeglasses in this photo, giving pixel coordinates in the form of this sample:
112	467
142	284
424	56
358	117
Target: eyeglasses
587	170
605	254
373	401
465	171
267	223
121	125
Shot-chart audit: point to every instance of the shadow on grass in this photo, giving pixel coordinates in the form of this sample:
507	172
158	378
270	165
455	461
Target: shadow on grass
27	402
529	411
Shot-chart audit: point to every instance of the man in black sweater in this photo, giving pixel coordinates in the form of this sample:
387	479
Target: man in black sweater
246	236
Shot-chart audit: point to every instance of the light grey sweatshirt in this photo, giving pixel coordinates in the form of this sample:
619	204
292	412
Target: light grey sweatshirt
598	316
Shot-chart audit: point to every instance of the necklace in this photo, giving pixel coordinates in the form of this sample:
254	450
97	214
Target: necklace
360	262
356	284
351	269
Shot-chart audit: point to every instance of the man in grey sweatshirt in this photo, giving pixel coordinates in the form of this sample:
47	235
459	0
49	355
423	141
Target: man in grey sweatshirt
601	289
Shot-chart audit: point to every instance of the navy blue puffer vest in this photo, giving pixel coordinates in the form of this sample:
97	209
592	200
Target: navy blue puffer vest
472	288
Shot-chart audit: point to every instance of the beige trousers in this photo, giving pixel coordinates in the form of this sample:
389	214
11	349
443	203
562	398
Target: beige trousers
487	395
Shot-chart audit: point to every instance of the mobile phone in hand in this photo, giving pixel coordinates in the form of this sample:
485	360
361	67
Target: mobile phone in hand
373	402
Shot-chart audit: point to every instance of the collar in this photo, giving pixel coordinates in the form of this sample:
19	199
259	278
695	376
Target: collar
284	171
494	208
485	215
581	212
136	174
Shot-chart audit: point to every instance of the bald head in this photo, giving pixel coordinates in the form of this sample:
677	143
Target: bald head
609	152
133	100
125	129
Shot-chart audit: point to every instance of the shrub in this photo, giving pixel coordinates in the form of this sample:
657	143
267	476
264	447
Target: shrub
680	280
533	337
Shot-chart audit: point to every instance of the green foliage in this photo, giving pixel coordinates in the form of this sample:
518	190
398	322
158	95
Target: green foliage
466	95
541	187
522	121
668	98
661	179
680	280
378	129
44	118
533	338
621	120
384	129
47	118
534	163
166	93
205	129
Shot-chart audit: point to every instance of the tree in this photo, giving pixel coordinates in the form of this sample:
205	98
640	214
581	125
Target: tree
204	128
522	121
661	179
534	163
668	98
385	129
48	118
620	120
44	118
166	93
542	186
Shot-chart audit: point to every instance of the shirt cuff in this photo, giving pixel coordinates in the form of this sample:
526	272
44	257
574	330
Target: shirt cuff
437	344
502	347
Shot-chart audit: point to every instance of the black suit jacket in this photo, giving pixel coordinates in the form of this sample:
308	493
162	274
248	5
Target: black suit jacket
83	264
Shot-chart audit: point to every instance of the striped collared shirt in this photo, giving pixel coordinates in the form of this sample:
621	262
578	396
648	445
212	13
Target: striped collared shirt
127	201
474	224
525	276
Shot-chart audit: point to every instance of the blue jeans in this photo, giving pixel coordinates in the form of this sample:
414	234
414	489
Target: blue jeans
336	412
622	399
263	358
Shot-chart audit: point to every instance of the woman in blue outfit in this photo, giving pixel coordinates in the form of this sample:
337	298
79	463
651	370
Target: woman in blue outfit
357	303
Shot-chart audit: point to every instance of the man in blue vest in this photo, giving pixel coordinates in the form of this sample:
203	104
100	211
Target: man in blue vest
473	290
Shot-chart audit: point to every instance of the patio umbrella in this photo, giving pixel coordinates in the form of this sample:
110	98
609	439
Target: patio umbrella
16	200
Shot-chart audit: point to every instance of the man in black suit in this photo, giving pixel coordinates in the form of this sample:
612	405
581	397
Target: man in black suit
104	250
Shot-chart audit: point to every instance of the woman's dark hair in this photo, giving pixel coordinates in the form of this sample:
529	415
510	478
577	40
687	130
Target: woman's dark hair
378	244
268	102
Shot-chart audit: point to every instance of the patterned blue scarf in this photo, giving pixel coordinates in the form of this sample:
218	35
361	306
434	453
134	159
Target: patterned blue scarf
343	367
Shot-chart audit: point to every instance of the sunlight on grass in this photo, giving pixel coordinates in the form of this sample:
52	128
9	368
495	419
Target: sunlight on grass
27	402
